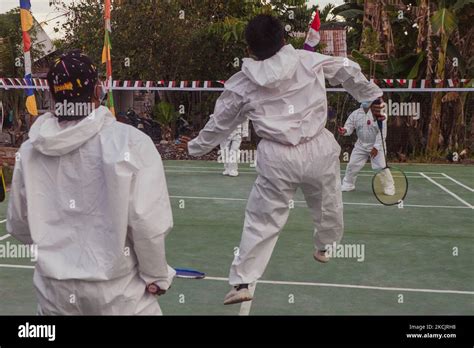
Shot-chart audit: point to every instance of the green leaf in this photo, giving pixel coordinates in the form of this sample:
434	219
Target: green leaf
414	70
346	7
364	63
351	13
443	21
460	4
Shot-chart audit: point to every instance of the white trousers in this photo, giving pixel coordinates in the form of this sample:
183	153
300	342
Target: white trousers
357	161
313	166
122	296
230	150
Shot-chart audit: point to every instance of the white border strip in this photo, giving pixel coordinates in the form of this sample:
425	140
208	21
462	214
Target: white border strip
255	173
345	203
16	266
5	236
220	89
330	285
447	191
457	182
250	170
247	305
350	286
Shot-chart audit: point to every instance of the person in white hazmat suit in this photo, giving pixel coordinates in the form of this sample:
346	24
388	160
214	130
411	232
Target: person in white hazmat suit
282	91
91	193
368	145
230	150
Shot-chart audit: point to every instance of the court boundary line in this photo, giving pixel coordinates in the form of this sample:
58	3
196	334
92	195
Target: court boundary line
329	285
446	190
457	182
255	173
346	203
247	169
247	305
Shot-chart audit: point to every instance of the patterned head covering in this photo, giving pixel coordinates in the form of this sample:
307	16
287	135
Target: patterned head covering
72	79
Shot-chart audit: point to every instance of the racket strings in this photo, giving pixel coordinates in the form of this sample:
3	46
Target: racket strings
390	186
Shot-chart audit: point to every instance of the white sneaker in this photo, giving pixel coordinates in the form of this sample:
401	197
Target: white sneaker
320	256
225	172
389	191
236	295
233	173
346	187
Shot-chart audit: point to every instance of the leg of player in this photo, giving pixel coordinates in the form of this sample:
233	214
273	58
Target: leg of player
386	179
266	213
323	194
234	150
356	163
225	156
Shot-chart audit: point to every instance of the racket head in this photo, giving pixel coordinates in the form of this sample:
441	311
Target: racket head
189	273
390	186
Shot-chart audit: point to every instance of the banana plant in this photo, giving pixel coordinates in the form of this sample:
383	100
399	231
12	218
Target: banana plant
166	115
443	23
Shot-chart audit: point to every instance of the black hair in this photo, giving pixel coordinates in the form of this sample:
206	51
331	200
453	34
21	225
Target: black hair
265	36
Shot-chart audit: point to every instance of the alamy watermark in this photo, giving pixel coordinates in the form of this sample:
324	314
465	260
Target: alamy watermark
343	251
237	156
402	109
70	109
19	251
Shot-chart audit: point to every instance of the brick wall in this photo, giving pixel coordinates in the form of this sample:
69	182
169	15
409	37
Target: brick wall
7	156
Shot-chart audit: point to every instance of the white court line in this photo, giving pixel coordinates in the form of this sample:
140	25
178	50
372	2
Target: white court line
247	305
447	191
346	203
255	173
16	266
329	285
350	286
253	170
5	236
457	182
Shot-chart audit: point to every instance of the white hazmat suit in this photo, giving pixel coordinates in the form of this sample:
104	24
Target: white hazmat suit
92	195
285	98
368	137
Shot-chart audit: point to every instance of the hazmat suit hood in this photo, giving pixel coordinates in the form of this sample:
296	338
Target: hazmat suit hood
273	71
54	138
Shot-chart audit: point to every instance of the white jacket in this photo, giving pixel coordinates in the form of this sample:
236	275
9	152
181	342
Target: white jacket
367	130
284	97
92	195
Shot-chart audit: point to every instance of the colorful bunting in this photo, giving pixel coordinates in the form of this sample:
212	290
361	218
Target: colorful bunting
106	57
26	25
313	37
7	83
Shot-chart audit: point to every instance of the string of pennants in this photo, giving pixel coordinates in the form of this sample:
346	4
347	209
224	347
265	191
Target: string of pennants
387	83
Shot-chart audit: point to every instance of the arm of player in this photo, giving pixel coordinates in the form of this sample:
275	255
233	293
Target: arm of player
349	125
150	216
227	116
17	213
339	70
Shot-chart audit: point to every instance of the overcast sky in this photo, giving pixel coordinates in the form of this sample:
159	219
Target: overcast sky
44	12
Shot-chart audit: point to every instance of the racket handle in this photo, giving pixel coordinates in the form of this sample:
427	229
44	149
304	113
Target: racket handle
379	122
